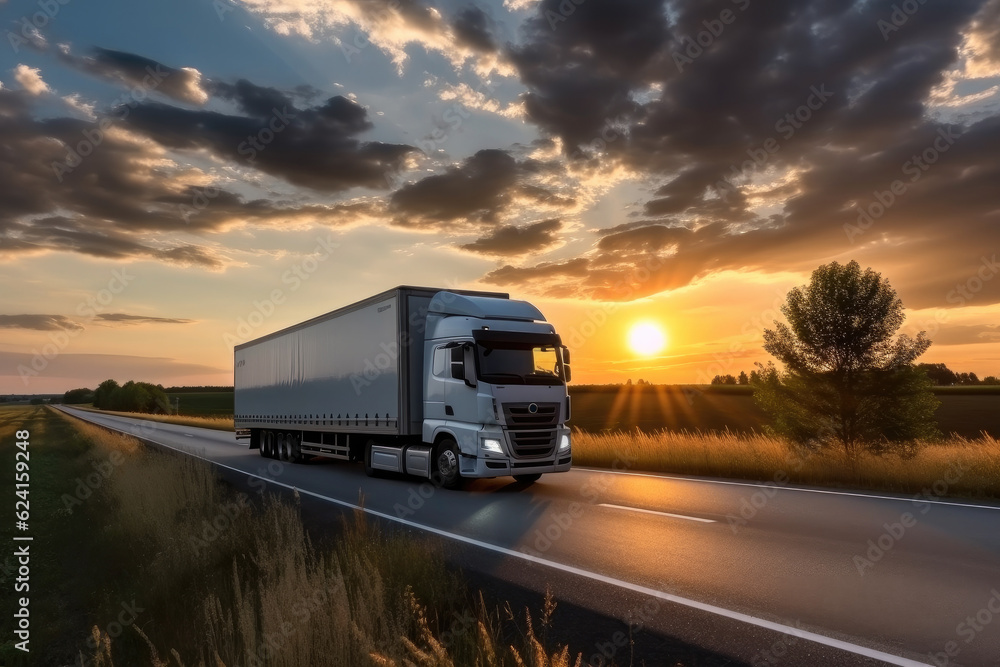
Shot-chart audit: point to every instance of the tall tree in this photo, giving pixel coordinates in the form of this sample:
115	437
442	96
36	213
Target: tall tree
847	377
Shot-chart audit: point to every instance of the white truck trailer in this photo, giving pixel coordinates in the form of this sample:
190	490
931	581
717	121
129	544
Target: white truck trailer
441	384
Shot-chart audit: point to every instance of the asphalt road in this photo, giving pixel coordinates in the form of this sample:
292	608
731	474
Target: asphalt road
751	573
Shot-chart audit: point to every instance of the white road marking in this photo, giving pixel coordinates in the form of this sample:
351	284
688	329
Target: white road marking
763	485
669	597
639	509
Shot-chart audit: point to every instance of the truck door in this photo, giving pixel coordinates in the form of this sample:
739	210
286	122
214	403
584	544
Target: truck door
460	390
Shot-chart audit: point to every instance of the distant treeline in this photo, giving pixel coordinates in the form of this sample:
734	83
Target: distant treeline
129	397
939	374
197	390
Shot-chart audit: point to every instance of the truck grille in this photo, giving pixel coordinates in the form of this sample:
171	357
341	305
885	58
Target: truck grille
532	434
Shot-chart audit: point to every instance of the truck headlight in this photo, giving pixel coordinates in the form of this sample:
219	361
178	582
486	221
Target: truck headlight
492	445
564	443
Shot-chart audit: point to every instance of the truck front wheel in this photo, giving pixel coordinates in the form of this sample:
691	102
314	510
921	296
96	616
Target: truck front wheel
446	466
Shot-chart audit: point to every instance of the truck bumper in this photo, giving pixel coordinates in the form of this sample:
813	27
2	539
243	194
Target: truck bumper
504	467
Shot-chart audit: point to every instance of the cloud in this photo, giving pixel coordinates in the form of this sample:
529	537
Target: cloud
969	334
91	369
315	147
697	128
134	71
477	192
391	27
511	240
114	185
125	319
38	322
30	79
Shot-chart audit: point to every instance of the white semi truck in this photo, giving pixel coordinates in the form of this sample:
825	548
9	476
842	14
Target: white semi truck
441	384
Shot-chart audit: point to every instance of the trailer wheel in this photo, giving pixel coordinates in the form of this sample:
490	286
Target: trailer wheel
528	479
446	464
295	448
267	444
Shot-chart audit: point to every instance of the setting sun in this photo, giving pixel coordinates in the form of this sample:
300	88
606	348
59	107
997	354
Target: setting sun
646	338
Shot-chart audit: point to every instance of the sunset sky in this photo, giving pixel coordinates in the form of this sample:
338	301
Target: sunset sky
167	168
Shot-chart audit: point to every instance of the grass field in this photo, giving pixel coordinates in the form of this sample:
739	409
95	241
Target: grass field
958	467
204	404
966	411
721	408
157	562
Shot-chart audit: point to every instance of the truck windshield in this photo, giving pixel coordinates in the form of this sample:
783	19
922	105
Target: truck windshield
519	363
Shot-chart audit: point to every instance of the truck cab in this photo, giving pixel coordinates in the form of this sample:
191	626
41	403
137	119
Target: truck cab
495	397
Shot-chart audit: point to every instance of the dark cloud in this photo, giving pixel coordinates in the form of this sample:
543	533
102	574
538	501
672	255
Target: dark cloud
256	101
85	186
472	28
135	71
477	191
314	147
38	322
698	120
511	240
125	319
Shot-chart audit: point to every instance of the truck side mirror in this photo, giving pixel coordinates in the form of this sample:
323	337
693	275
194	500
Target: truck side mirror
566	355
458	363
459	367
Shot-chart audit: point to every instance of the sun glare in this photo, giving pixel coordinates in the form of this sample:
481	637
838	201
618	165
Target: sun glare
646	338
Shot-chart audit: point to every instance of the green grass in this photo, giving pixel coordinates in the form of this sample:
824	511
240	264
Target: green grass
258	586
70	573
204	404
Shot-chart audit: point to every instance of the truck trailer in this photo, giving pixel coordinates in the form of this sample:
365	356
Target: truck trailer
437	383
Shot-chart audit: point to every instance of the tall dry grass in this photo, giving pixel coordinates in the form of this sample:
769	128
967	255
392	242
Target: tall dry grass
218	423
974	462
227	582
